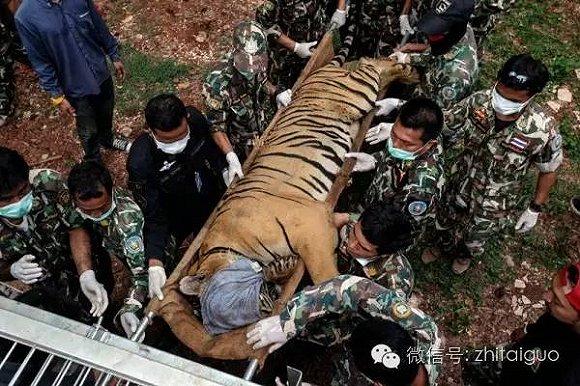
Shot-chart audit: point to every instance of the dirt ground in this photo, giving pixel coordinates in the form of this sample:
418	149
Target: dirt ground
197	33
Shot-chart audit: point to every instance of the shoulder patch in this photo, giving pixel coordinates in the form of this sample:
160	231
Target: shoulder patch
401	310
417	208
134	244
63	197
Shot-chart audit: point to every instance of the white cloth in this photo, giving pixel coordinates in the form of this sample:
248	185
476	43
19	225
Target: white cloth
405	25
157	278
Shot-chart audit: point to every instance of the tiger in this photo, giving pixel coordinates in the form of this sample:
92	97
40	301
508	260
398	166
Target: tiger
277	211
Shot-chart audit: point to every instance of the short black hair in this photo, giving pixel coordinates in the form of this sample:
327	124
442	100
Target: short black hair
87	179
13	170
164	112
523	72
386	226
422	114
370	333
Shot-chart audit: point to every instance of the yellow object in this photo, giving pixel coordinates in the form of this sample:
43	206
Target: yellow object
57	101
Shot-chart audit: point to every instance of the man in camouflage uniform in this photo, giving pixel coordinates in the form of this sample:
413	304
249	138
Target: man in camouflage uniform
113	215
35	225
239	96
448	61
486	15
409	170
493	137
374	27
328	314
10	50
293	28
372	244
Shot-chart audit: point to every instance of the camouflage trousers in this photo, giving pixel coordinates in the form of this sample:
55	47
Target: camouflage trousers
486	15
6	86
462	232
285	67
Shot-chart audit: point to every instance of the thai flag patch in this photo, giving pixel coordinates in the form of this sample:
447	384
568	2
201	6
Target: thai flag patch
517	143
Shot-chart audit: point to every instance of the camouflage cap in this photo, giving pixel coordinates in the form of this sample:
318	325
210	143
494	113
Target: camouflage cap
250	48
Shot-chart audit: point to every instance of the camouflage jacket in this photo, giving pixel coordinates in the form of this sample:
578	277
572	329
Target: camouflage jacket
391	271
414	184
44	233
487	167
326	314
236	106
449	78
301	20
122	234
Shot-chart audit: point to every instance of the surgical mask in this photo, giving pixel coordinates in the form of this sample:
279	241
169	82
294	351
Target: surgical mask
175	147
17	209
504	106
403	155
101	217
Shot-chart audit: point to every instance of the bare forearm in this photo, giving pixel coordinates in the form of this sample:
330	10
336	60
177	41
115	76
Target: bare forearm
80	245
407	7
222	141
543	187
286	42
341	4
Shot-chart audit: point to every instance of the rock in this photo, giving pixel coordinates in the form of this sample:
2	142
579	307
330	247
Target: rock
554	106
564	95
183	85
519	311
519	284
526	300
44	156
127	20
577	71
509	260
526	265
201	37
514	301
537	305
577	115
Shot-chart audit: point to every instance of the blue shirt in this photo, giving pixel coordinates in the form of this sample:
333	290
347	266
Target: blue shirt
67	44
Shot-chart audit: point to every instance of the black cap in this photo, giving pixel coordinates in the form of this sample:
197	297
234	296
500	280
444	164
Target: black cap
444	15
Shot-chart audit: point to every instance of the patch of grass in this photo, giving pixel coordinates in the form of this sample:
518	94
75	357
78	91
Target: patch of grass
147	76
570	138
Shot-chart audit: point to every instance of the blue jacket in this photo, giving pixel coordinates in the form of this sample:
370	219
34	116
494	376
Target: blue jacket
67	44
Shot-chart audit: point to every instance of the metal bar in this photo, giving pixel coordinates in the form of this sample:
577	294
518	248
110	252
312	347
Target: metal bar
105	381
251	370
8	355
62	373
22	366
142	326
86	371
42	370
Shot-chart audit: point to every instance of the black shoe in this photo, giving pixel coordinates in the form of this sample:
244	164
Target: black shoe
575	205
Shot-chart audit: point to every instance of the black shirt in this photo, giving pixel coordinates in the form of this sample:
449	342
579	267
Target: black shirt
176	192
546	334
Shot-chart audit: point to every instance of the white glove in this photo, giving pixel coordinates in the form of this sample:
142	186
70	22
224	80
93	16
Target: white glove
157	280
338	18
527	221
400	57
284	98
234	167
267	332
25	270
364	161
95	292
129	322
378	133
304	49
387	105
405	25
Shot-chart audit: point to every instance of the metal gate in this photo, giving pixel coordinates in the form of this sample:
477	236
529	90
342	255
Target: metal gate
38	348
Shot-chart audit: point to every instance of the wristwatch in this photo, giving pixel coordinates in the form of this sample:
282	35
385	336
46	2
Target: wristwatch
538	208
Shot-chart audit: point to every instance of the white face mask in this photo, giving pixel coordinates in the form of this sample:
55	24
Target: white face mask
173	147
102	216
504	106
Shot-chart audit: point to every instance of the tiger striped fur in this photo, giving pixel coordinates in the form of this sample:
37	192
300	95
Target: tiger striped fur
278	210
